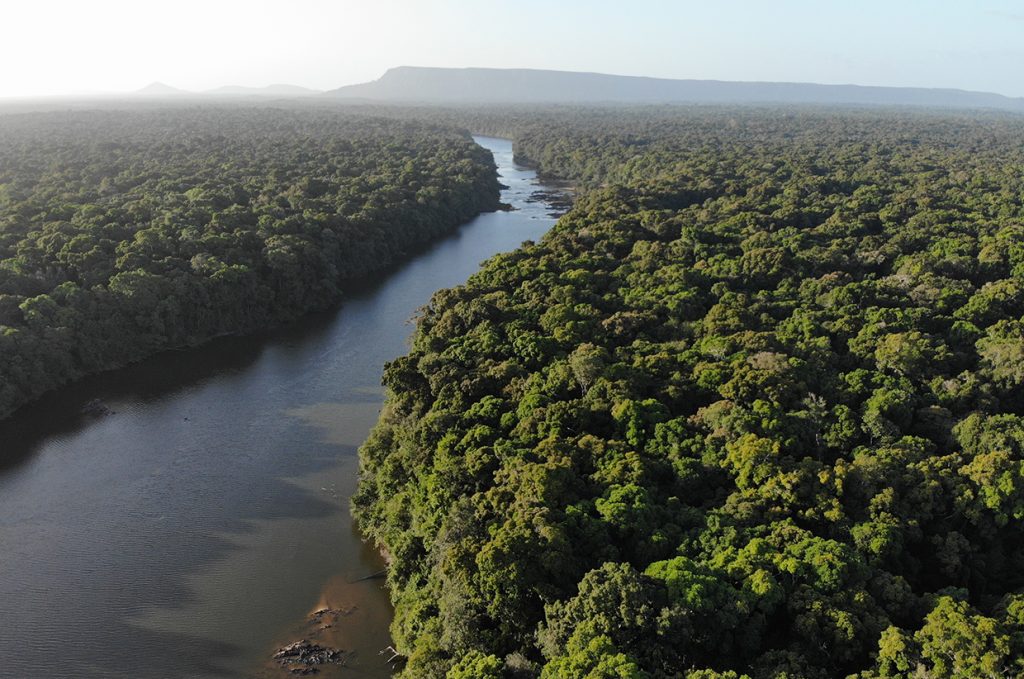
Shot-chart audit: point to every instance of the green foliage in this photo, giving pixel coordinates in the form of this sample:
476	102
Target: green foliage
1003	352
476	665
751	408
592	657
125	233
954	643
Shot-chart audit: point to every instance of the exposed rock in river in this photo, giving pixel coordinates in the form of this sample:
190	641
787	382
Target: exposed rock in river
560	201
326	617
302	657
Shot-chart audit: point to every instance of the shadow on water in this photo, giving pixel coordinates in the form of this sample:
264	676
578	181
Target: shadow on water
158	377
201	522
63	411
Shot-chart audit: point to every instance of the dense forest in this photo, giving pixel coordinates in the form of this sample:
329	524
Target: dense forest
754	407
123	233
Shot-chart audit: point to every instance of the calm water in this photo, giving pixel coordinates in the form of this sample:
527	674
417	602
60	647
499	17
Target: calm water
196	528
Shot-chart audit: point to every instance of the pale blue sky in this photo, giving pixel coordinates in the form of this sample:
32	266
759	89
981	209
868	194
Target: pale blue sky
61	46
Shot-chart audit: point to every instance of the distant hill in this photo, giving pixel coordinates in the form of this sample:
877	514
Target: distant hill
276	90
159	89
492	85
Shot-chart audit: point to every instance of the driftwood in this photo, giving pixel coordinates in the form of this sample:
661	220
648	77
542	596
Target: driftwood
395	655
371	576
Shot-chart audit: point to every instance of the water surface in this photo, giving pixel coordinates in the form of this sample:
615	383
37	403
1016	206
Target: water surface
196	528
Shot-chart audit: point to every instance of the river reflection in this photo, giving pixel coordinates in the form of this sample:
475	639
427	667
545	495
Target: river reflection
198	525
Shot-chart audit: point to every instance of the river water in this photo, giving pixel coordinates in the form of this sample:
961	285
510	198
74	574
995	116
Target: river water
197	527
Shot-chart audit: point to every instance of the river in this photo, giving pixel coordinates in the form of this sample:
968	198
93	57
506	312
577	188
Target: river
196	528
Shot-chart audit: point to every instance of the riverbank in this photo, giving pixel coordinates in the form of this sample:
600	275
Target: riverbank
202	524
347	606
300	203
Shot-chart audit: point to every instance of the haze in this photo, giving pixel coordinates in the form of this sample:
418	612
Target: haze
57	47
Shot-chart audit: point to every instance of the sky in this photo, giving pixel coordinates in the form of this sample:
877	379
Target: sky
81	46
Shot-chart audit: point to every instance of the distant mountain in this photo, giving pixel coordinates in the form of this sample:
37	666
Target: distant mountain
158	89
276	90
492	85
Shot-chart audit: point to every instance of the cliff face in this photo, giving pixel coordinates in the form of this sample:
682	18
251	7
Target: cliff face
490	85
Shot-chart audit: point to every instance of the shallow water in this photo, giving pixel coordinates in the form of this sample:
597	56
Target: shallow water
194	529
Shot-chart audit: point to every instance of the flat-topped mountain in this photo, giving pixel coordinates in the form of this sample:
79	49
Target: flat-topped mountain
493	85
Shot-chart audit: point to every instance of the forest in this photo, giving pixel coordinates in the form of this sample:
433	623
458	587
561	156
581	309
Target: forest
124	233
753	408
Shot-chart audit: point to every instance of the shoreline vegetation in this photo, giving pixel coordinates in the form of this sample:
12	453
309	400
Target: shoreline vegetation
126	233
751	408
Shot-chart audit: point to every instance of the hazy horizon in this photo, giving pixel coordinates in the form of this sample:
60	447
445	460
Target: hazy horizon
116	47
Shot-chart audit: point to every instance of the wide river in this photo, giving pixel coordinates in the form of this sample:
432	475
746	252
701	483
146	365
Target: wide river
197	527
